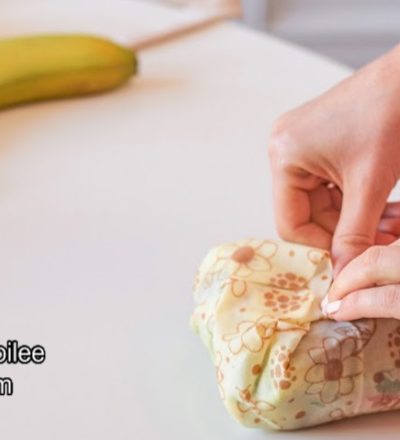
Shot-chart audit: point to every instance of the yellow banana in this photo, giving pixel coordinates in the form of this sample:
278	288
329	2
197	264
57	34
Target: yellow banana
57	66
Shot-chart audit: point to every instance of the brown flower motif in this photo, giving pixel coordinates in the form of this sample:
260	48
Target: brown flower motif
335	366
237	287
250	335
316	256
288	280
248	403
361	330
245	258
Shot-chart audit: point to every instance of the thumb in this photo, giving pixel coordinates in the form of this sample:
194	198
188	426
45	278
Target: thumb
363	202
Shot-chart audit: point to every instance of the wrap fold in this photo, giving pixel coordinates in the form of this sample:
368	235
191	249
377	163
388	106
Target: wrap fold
279	362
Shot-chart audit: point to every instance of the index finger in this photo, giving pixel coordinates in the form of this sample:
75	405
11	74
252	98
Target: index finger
293	210
378	265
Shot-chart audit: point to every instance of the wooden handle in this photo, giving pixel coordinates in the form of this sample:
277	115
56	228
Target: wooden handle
187	28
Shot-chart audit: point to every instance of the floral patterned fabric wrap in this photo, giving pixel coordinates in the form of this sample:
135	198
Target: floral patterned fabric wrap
278	362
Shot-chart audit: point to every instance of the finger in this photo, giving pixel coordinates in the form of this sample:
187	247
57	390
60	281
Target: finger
377	265
390	225
362	207
323	212
336	196
293	216
392	209
384	238
376	302
293	208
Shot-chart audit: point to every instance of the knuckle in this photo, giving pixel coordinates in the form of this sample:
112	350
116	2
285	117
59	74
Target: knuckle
281	138
390	299
373	258
356	245
374	166
355	240
354	301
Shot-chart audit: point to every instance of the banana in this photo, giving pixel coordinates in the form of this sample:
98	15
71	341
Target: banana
42	67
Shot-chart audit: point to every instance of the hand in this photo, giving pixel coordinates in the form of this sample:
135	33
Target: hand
349	137
368	287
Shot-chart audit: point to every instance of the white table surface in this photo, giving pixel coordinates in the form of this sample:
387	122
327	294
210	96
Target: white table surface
108	204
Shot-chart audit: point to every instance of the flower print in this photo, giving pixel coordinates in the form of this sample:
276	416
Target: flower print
387	384
361	330
286	302
250	335
245	258
219	374
337	414
207	288
237	287
316	256
288	280
384	402
248	403
335	366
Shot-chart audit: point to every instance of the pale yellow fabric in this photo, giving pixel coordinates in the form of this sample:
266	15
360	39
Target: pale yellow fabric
278	362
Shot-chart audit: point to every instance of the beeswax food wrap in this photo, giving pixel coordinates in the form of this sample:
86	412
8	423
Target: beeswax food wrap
279	362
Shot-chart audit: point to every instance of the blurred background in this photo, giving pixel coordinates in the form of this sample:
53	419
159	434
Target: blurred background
352	32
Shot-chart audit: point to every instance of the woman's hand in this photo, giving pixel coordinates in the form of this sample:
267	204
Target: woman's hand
369	286
334	162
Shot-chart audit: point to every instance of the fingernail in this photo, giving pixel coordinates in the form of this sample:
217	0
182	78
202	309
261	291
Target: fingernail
333	307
